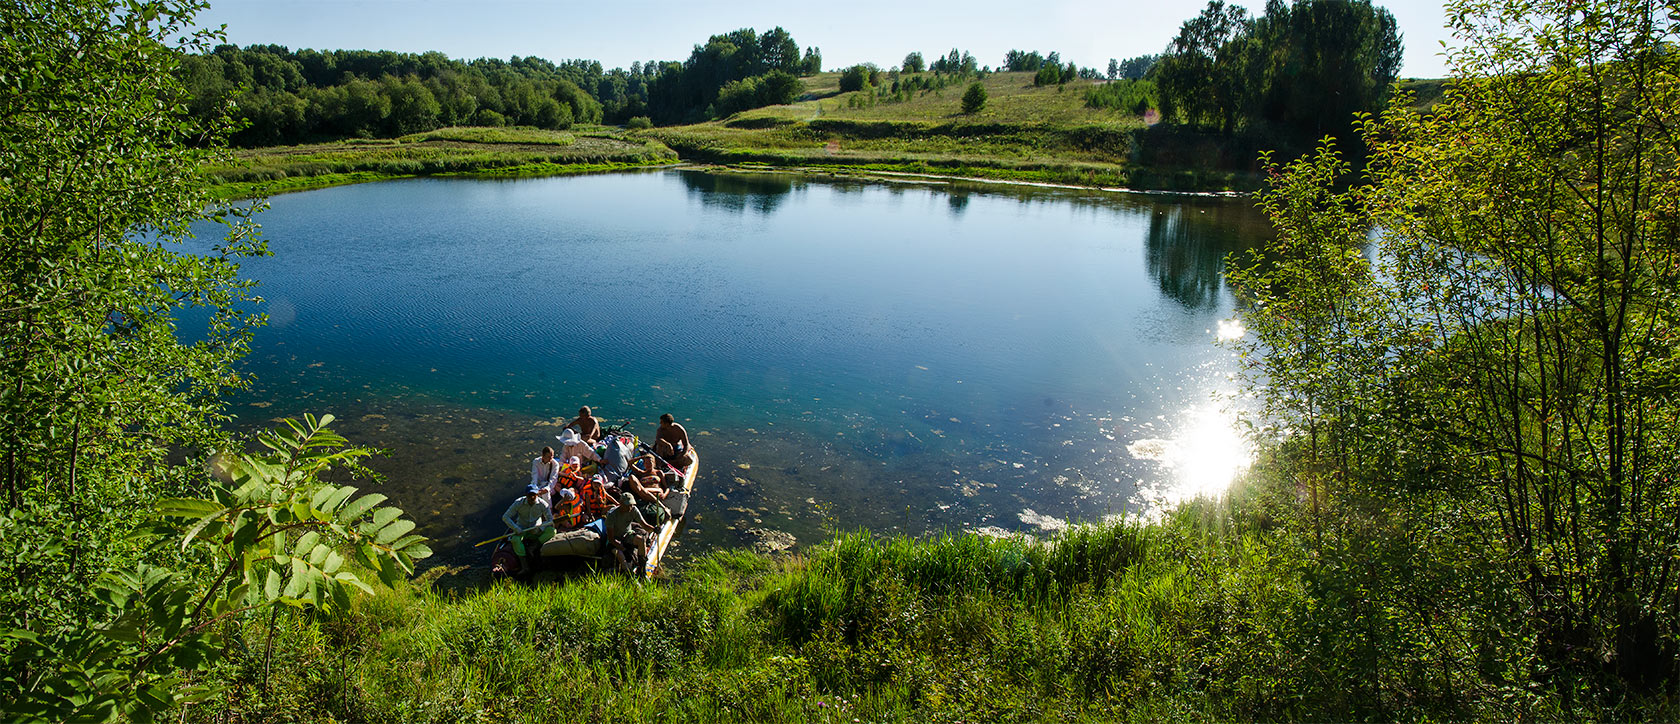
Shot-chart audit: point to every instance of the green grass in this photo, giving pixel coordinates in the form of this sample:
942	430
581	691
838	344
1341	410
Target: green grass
492	152
1238	610
1024	133
1011	98
1426	92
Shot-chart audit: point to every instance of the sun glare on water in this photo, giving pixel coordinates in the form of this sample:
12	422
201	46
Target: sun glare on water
1206	455
1230	329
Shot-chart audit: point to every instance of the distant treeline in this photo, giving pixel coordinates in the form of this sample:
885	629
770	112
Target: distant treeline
1300	71
280	96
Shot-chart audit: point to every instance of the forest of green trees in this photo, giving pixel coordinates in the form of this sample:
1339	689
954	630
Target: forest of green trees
1291	75
279	96
1299	71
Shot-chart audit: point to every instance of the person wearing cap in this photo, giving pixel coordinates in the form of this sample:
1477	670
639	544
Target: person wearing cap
586	425
530	520
625	530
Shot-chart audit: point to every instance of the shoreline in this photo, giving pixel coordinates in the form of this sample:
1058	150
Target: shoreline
245	190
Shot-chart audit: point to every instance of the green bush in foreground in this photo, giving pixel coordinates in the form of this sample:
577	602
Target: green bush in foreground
1244	610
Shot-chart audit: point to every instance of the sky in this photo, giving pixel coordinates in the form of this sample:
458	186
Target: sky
859	31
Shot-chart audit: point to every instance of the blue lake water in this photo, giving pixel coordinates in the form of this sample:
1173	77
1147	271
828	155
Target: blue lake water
900	357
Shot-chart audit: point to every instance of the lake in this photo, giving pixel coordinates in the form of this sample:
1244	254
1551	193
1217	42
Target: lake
901	357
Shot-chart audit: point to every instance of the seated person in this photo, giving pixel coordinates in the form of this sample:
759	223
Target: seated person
568	508
530	520
618	528
545	472
592	493
670	441
586	425
646	474
574	446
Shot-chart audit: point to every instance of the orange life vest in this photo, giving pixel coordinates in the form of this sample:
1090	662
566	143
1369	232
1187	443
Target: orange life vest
593	498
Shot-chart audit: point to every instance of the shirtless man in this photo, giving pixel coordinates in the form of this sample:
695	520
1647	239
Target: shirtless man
586	425
671	441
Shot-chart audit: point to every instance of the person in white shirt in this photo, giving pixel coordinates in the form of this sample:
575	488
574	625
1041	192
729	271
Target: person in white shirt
545	470
530	520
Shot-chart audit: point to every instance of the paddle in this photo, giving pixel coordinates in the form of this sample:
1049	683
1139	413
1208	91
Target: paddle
507	536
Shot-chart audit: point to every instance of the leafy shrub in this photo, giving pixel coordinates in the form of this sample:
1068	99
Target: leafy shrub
1129	96
638	123
974	99
858	76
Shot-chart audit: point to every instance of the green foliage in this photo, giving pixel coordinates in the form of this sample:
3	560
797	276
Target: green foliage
958	63
1220	611
1472	383
639	123
1135	68
1027	61
278	536
114	341
286	532
1302	70
858	77
913	63
757	70
1128	96
974	98
773	88
1047	74
518	151
283	97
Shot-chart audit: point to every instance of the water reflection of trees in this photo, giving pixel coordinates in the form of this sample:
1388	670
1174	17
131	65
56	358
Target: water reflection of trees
761	193
1187	242
958	201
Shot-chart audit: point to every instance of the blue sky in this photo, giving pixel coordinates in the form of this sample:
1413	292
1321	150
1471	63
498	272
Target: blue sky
878	31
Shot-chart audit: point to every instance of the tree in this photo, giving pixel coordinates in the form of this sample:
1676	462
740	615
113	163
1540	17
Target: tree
1201	75
812	62
275	537
1301	70
116	340
1138	67
1048	74
1496	376
1318	62
101	382
1113	69
974	99
913	63
778	52
858	77
1016	60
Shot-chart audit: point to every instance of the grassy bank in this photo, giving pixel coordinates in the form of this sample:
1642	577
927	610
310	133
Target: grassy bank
1245	609
1043	134
1025	133
485	152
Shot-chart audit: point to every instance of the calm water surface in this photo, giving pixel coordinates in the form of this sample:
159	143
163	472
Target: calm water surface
895	357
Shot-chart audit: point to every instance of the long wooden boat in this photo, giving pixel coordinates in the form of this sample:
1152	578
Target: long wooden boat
668	530
504	563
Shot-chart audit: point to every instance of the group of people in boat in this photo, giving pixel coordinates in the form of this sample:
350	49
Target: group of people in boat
597	497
